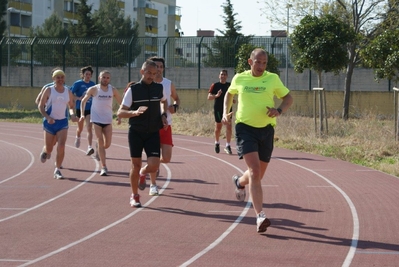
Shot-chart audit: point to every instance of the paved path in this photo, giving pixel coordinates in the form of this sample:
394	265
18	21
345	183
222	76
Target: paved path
324	212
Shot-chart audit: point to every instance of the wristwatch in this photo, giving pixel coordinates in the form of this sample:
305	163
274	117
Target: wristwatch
279	110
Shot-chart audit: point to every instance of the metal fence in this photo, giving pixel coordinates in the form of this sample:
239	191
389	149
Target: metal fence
23	59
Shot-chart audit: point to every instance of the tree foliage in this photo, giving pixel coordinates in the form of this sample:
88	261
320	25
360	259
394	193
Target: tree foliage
102	38
382	54
320	44
244	54
85	26
48	51
221	50
3	13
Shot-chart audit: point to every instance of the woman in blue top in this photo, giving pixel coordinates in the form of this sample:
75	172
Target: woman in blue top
79	89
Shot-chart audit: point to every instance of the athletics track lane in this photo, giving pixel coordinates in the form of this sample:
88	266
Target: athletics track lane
324	212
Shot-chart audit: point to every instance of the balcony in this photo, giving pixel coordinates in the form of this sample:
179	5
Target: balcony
20	6
149	12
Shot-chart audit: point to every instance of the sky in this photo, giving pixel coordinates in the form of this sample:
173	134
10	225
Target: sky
207	15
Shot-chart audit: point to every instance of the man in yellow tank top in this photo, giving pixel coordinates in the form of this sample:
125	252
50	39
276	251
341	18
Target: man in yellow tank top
255	121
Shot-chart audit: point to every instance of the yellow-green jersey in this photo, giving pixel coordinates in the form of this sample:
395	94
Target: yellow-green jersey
254	95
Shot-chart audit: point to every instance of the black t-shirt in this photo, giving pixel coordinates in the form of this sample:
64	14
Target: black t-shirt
215	87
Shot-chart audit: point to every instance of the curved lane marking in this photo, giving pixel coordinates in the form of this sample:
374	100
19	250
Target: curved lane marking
355	218
32	159
104	228
58	196
346	262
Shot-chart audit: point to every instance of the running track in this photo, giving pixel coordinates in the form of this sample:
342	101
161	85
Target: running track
324	212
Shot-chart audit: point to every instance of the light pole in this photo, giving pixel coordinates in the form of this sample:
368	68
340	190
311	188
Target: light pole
9	10
286	45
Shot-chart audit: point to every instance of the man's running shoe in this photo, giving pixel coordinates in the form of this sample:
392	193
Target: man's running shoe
104	171
77	142
227	149
135	201
44	156
58	175
239	190
217	148
142	181
153	190
262	222
90	151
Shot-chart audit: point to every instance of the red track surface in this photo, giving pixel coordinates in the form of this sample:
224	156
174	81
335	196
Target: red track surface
324	212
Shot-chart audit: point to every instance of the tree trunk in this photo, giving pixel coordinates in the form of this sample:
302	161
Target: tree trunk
348	81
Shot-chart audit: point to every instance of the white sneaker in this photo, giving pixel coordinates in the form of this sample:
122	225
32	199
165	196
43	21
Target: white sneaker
240	192
104	171
153	190
262	222
58	175
135	201
90	151
77	142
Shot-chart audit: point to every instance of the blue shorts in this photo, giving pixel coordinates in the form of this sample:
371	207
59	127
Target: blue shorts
57	126
250	139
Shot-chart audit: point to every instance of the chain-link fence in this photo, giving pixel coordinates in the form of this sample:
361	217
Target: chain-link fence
27	61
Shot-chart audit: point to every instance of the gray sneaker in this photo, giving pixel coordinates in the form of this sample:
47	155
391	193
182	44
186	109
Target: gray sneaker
262	222
44	156
77	142
239	190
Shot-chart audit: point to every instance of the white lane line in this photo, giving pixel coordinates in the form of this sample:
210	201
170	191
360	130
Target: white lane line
319	186
152	199
32	159
378	252
355	218
232	226
56	197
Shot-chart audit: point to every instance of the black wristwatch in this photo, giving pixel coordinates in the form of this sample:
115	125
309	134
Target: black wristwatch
164	114
279	110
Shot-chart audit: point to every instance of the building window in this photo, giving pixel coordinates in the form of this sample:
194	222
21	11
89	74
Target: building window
188	55
188	45
164	27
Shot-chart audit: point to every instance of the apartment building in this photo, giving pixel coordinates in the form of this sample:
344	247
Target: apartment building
157	18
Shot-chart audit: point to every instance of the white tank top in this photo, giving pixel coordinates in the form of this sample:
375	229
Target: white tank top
57	103
101	107
167	91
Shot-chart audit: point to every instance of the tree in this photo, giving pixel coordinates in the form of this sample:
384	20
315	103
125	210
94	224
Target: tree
219	54
363	16
382	54
81	49
320	44
48	50
245	52
118	35
85	24
3	13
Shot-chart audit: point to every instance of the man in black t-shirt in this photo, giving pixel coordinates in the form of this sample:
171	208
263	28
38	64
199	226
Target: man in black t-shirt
217	92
